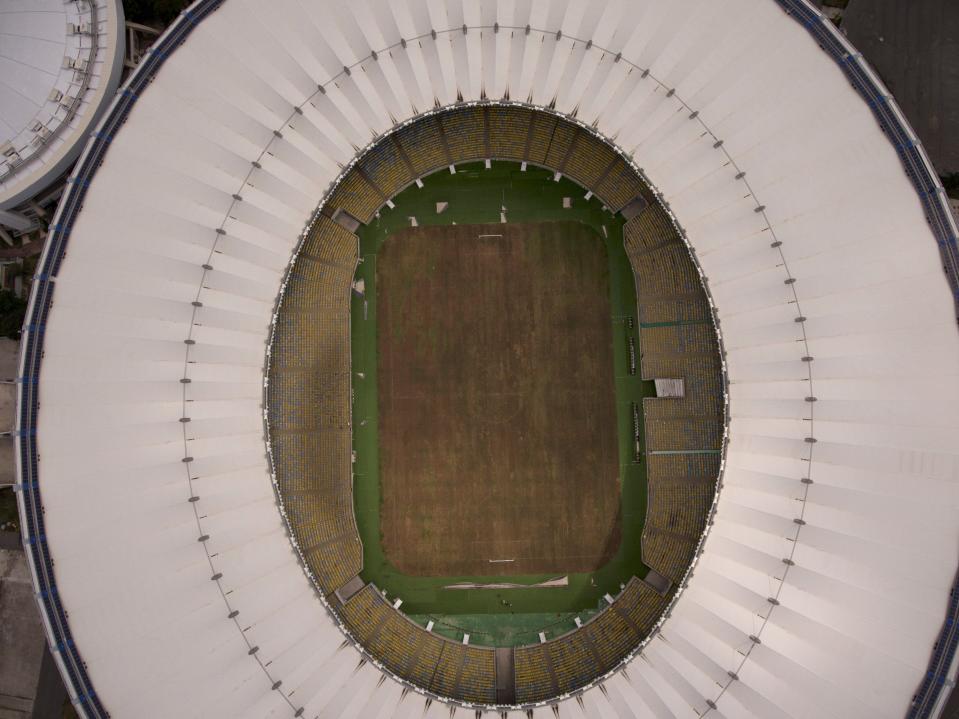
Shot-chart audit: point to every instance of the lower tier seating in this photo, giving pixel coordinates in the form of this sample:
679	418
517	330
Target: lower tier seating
677	341
534	676
509	132
356	195
386	167
679	506
667	553
542	136
641	605
465	133
496	132
560	144
442	666
589	160
424	146
572	661
309	405
620	186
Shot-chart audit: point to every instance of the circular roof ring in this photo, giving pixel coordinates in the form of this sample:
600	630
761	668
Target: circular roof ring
824	582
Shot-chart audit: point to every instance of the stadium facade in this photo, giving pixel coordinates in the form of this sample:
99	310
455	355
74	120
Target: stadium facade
825	583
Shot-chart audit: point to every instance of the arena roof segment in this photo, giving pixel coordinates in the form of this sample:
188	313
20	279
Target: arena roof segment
838	607
61	65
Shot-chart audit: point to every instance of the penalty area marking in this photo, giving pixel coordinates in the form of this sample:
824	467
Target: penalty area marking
500	561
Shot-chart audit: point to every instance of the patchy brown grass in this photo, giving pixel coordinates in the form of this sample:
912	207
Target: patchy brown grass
497	422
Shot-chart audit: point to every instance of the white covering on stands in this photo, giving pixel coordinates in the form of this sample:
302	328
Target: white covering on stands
60	63
670	387
861	607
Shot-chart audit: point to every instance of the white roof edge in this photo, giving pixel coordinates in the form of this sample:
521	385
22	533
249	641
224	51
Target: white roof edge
851	495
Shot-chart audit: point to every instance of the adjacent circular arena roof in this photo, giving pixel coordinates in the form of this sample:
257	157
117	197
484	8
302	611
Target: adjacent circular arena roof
165	574
61	63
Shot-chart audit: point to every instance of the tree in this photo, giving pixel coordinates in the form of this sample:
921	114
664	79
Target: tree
951	183
12	311
149	12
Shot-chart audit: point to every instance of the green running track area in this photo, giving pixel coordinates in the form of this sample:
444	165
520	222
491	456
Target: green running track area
497	617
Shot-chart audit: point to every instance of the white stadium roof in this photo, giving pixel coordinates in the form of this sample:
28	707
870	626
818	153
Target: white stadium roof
60	63
810	600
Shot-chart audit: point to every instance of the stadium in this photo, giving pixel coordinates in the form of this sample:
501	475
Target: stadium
409	359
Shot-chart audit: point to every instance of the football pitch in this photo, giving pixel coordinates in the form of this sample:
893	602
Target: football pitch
493	403
497	418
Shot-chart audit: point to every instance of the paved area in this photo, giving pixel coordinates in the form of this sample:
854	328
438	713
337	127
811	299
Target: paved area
21	638
30	684
8	400
9	351
914	46
51	700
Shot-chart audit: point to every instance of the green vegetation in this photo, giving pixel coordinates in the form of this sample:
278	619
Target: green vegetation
951	183
153	12
12	311
514	616
9	520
